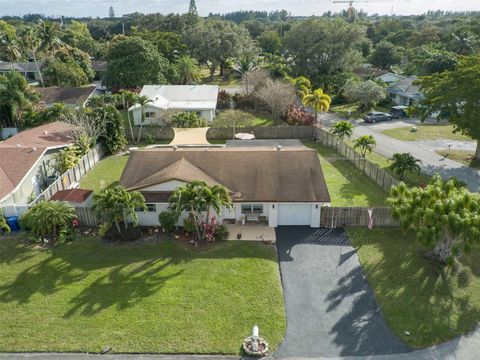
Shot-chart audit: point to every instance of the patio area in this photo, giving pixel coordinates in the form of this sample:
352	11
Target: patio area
194	136
251	232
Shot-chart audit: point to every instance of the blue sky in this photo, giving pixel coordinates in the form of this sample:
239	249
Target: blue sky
100	8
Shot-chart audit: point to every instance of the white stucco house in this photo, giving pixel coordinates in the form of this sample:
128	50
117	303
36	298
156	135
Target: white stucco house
26	161
404	92
272	185
201	99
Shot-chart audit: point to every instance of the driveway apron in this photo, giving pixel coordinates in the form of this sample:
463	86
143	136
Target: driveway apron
331	310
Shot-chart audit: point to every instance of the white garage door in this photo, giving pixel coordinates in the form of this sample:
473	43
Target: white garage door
294	214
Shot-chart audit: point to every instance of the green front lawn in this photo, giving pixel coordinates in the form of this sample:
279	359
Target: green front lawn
105	172
140	298
354	110
462	156
347	185
426	132
415	294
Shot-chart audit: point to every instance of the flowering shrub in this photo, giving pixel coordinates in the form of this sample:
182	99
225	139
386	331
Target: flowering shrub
299	116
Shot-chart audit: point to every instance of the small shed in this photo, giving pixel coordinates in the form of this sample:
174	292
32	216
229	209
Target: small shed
76	197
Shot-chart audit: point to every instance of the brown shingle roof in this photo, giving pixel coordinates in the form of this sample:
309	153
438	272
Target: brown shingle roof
253	174
72	195
71	96
20	152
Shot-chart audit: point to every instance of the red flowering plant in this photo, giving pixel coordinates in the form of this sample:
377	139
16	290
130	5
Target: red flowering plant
298	116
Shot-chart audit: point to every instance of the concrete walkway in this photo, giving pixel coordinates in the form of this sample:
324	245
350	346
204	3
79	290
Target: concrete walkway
193	136
331	310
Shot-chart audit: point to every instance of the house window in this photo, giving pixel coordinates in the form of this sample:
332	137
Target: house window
150	208
150	114
252	208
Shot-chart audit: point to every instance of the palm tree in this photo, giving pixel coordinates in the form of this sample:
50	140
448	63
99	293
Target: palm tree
129	98
12	48
246	63
31	42
48	32
188	70
403	164
343	129
195	196
142	101
17	95
317	100
365	143
302	86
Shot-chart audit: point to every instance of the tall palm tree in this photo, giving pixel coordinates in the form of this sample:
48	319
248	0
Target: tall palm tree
17	95
318	101
129	98
302	86
12	48
49	34
143	102
31	42
403	164
188	70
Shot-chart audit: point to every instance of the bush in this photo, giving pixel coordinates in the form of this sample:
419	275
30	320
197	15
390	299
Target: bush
299	116
245	102
3	223
221	233
50	222
223	100
66	159
187	120
167	220
189	225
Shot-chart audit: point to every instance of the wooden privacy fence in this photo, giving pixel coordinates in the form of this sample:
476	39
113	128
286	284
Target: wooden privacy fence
334	217
87	217
261	132
374	172
72	176
155	132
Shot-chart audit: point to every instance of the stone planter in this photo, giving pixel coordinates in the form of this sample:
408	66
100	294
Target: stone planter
251	349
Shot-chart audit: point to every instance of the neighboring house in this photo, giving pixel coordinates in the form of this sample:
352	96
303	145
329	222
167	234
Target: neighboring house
201	99
27	69
25	161
390	78
283	186
404	92
100	68
75	97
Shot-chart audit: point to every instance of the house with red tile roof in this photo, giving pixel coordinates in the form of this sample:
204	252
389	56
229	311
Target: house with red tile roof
26	161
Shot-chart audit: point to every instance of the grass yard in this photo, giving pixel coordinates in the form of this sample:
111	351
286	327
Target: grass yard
264	118
354	110
105	172
416	294
347	185
143	298
462	156
426	132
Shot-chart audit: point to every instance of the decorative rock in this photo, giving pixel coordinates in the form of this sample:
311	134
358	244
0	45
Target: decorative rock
105	350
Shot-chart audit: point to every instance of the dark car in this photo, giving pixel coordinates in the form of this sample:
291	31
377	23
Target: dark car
375	116
398	112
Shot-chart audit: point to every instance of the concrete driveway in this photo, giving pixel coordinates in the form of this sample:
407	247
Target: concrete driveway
331	310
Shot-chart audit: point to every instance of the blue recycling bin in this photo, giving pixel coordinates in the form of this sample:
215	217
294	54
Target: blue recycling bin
12	222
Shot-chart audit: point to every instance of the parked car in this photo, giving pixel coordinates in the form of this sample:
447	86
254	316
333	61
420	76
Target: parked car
398	112
375	116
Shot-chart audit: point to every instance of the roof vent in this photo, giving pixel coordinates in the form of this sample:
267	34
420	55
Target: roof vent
279	147
34	149
45	132
175	147
18	145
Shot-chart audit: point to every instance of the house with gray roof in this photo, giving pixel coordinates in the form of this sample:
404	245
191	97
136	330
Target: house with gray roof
405	92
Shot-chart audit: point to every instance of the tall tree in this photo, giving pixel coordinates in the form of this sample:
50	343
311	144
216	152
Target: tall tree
111	12
385	55
445	216
318	101
192	8
319	46
49	34
367	93
187	70
454	95
17	96
142	101
134	62
31	43
302	85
